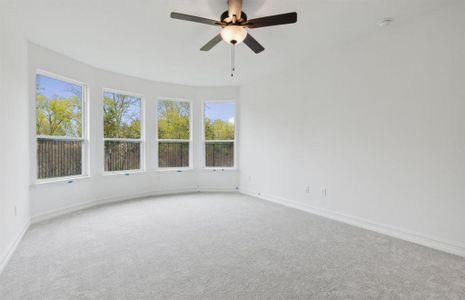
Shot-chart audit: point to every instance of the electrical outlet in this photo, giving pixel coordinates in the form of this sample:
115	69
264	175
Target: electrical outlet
324	192
249	178
16	211
307	189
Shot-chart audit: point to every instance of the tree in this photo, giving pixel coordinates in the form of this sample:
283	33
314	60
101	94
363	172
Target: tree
58	116
121	116
173	120
218	130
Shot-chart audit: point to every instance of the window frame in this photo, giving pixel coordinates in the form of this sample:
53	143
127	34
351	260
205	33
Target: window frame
190	140
205	141
142	139
84	139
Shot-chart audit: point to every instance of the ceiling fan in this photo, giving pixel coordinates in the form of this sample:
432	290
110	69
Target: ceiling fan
234	25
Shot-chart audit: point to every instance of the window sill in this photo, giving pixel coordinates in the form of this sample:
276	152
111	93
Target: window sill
123	173
174	170
220	169
61	180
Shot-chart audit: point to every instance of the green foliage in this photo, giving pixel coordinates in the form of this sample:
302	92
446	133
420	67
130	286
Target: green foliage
121	116
218	130
173	120
58	116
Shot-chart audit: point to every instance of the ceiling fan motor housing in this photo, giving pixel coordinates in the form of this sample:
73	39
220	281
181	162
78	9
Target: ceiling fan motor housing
225	17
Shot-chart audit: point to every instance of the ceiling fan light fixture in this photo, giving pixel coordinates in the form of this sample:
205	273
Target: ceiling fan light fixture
233	34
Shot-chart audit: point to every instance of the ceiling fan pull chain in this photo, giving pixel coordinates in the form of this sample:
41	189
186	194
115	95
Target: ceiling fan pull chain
233	60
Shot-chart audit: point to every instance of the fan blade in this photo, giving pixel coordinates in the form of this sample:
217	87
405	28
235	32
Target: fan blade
282	19
253	44
235	8
196	19
212	43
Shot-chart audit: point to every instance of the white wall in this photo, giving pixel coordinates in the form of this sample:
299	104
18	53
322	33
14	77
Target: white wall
14	143
55	197
379	123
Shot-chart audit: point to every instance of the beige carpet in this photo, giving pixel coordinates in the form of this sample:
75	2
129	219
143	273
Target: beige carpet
220	246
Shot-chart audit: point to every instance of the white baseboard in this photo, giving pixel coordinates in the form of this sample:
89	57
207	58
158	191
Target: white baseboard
70	209
217	190
427	241
4	260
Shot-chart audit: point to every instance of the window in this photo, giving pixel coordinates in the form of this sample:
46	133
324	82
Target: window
60	130
122	131
174	134
219	134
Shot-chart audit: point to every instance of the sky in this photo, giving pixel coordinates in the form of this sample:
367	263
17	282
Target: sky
220	110
50	87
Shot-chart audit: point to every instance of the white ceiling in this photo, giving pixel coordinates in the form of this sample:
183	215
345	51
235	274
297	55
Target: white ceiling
137	37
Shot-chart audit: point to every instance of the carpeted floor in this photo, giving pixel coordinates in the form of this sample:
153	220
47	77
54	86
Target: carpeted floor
220	246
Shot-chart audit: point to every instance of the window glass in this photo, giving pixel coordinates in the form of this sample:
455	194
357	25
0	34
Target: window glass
219	121
58	107
122	131
173	134
219	129
173	120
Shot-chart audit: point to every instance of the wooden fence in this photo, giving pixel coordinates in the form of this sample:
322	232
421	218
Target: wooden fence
62	158
219	154
173	154
122	156
57	158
